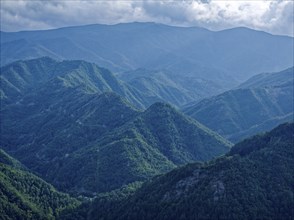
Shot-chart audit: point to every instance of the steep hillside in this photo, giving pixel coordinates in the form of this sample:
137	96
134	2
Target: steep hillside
154	142
259	106
20	77
253	181
59	121
62	123
10	161
270	79
141	87
176	89
262	127
83	134
158	84
23	77
25	196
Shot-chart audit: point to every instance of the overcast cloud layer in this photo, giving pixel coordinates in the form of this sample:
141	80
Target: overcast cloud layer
274	16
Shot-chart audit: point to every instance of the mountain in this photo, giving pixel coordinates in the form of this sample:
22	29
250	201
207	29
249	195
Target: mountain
142	87
154	142
26	196
64	122
22	77
270	79
158	84
173	88
234	54
83	134
258	105
264	126
253	181
10	161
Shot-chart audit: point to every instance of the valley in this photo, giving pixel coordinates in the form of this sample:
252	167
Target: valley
146	121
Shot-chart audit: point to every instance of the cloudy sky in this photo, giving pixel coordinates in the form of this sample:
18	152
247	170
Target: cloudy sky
274	16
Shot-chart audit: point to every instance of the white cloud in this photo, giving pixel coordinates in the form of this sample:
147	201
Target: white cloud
275	16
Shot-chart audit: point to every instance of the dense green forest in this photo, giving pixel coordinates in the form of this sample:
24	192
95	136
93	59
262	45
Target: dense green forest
93	136
253	181
72	137
22	77
257	105
142	120
26	196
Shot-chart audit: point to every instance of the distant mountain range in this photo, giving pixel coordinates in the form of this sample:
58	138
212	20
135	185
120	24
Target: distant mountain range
224	57
136	121
253	181
257	105
64	121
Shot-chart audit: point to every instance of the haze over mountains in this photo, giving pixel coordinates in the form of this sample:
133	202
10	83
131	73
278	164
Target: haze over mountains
259	104
112	115
191	53
170	87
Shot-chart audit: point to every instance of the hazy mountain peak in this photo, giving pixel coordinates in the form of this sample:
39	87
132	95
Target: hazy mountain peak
179	49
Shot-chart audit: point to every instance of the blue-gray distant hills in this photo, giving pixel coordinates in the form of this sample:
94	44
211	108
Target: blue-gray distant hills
136	121
171	87
257	105
226	57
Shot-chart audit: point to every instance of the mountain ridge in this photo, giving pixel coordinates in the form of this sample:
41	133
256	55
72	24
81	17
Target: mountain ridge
82	126
139	153
240	112
252	181
184	53
22	77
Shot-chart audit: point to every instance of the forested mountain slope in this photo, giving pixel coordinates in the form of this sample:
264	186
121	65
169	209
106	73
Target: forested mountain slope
174	88
22	77
64	121
26	196
253	181
258	105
